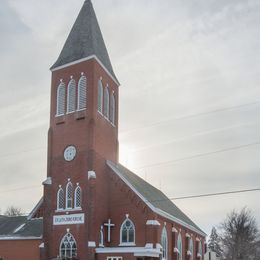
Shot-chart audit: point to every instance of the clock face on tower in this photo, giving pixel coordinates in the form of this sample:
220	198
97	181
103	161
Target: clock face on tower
70	153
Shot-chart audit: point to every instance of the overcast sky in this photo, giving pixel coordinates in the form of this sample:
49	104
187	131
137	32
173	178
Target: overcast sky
189	100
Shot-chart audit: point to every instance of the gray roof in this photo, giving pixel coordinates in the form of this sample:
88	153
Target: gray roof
20	227
152	195
85	39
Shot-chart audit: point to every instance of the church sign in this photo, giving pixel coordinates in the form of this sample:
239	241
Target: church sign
69	219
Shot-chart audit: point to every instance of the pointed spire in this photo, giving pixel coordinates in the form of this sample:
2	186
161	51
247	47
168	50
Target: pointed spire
85	39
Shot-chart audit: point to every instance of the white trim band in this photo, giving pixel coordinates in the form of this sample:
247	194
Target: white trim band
153	223
86	59
19	238
91	244
91	175
137	251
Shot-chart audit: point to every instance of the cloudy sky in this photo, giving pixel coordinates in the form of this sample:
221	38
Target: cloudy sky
189	101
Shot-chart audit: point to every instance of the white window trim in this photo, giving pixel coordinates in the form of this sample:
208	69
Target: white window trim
75	198
127	243
58	98
78	95
191	248
114	258
100	87
68	233
72	81
66	206
58	199
179	249
107	95
200	250
164	235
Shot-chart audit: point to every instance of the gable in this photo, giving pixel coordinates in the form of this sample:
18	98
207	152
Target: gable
154	198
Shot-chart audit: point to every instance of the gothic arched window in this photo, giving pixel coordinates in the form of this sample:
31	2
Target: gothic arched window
77	197
112	108
71	96
164	243
127	232
60	199
61	92
82	93
179	246
100	96
68	247
191	248
69	195
199	255
106	103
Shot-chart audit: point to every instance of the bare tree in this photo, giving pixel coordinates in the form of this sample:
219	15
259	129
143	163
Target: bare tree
214	243
239	235
13	211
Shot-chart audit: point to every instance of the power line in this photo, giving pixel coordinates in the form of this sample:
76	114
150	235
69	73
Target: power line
155	124
196	196
22	188
24	151
215	194
190	116
202	133
150	146
198	155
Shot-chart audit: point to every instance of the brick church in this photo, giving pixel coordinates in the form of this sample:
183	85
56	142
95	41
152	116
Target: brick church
93	207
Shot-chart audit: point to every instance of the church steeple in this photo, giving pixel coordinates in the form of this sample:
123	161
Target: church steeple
85	40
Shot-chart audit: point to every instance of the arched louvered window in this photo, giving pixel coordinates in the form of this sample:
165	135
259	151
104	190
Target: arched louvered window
191	249
69	195
60	199
82	93
68	247
127	232
106	103
164	243
77	197
71	96
100	96
179	246
112	108
61	92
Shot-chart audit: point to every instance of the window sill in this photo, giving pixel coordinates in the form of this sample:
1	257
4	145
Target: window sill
59	119
80	114
67	210
70	112
127	244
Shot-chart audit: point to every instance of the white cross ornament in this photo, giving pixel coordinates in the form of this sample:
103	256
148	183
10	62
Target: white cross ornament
109	225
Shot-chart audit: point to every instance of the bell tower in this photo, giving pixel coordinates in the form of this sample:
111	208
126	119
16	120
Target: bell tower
83	134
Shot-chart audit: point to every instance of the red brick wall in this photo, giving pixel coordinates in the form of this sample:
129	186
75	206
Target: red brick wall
20	249
95	139
107	196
